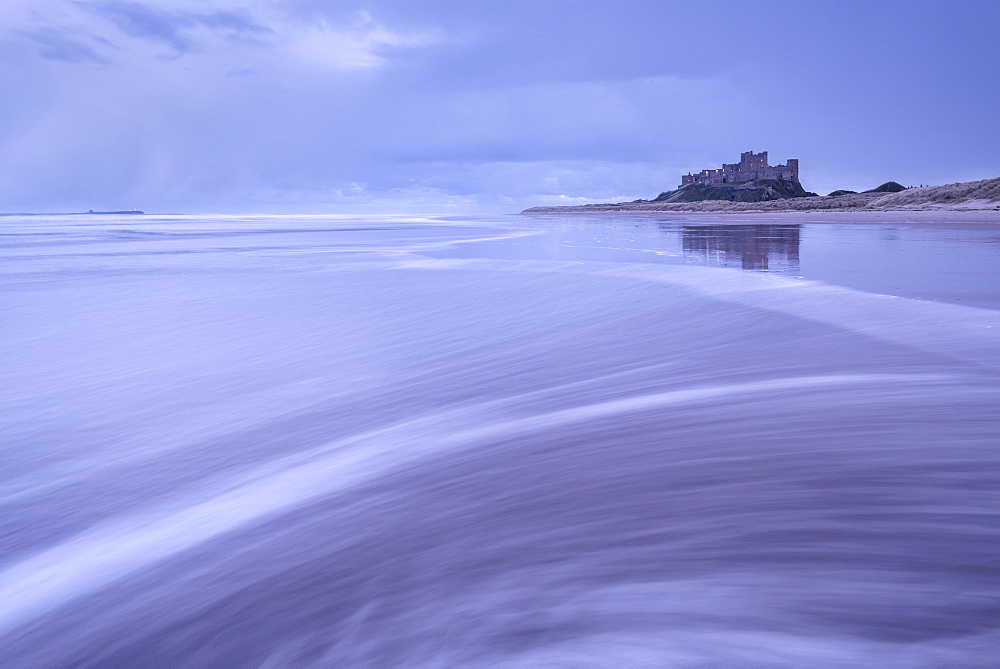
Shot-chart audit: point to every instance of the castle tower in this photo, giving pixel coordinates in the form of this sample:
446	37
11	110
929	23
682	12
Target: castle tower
753	161
793	167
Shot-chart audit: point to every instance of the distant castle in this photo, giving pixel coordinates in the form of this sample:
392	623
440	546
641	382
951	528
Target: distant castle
751	166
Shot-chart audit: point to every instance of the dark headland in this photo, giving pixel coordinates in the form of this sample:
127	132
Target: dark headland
754	185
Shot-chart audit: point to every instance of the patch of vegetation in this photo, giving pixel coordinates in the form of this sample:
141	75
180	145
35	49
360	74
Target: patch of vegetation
702	193
842	192
784	188
748	191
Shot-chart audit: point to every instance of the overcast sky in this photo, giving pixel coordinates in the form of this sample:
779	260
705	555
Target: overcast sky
463	105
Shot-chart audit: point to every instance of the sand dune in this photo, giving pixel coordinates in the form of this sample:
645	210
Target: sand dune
983	194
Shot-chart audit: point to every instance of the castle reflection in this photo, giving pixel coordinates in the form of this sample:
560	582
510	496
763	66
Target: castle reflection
755	247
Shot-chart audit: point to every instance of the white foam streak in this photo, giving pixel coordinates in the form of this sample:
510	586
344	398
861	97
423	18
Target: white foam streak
967	333
111	551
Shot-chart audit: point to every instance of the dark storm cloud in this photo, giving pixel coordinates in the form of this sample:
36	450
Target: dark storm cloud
173	28
54	44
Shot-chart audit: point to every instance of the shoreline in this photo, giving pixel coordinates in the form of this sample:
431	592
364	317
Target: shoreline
981	197
978	219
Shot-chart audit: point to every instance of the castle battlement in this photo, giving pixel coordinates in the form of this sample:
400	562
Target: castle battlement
751	166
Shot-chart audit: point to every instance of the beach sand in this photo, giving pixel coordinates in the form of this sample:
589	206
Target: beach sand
938	218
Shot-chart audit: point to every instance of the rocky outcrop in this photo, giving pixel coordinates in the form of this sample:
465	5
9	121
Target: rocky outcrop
760	190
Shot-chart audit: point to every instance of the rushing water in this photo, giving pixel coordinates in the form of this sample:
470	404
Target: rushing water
335	441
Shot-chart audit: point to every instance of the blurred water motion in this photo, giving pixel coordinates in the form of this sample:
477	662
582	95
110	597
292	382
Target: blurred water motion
322	441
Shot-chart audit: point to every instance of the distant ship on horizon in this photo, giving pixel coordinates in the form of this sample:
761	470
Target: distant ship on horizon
130	211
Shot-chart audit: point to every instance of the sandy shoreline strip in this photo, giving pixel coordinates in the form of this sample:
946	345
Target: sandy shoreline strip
974	203
938	218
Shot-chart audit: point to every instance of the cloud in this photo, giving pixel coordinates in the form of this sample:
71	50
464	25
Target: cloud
157	103
243	72
238	22
628	120
54	44
231	36
337	48
176	29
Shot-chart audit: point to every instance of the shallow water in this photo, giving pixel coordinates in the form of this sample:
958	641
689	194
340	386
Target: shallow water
397	441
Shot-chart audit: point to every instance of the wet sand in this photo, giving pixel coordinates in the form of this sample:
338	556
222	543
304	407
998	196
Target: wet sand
947	219
573	441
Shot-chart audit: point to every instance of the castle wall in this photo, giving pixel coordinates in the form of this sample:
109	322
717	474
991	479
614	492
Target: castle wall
751	166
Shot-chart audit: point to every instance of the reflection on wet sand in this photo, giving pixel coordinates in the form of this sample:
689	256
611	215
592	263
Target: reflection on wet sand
758	247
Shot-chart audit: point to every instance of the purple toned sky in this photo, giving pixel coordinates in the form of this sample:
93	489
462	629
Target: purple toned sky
447	105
